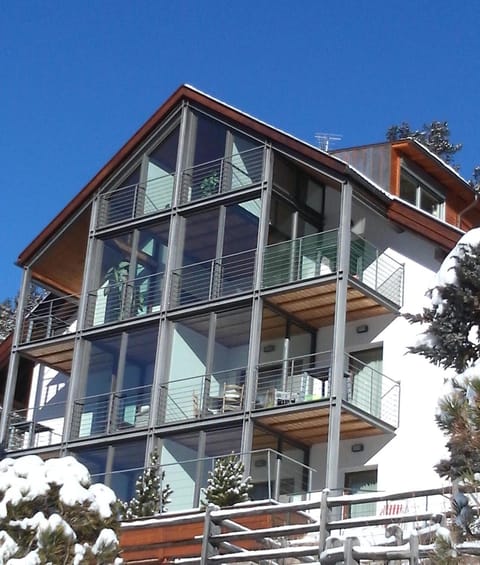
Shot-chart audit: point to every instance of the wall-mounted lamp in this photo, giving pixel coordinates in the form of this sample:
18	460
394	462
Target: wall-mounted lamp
269	348
363	329
357	447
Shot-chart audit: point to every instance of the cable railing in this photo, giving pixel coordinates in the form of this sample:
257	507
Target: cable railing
111	412
372	391
216	278
316	255
274	476
35	427
300	259
123	300
222	175
202	396
136	200
51	317
376	269
308	378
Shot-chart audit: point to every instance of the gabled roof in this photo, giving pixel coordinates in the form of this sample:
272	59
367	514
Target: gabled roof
189	94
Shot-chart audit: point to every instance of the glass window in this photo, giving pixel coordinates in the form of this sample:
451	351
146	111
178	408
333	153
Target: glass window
118	383
160	175
420	195
361	482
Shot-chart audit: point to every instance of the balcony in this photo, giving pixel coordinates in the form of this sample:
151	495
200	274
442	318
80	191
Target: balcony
36	426
375	282
221	176
136	201
202	396
293	398
110	413
274	476
51	318
124	300
210	280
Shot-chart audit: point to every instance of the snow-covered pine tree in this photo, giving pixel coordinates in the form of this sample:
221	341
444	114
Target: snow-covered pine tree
51	513
152	495
226	485
434	135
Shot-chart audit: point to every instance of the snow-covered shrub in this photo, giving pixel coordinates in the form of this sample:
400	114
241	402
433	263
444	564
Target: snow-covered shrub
50	513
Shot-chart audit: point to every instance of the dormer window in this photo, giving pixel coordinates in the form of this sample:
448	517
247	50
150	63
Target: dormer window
421	194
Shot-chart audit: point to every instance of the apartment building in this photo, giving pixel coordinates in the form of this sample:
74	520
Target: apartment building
221	286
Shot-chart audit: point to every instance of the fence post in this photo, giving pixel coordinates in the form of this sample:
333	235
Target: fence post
348	552
414	556
209	528
324	515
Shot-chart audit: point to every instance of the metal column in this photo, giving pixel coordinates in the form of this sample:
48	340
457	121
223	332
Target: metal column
338	354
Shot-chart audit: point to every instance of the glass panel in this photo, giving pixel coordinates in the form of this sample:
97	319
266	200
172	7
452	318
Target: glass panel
241	227
160	175
285	176
151	257
246	167
95	459
361	481
430	203
114	273
210	140
408	188
121	202
367	380
315	196
281	221
128	465
200	243
179	461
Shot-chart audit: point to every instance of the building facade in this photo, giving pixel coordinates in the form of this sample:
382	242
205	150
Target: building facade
220	286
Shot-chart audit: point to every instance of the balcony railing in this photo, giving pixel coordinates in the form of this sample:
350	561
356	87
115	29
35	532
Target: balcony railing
135	201
50	318
316	255
300	259
204	395
377	270
111	412
217	278
36	427
273	475
124	300
372	391
308	378
228	174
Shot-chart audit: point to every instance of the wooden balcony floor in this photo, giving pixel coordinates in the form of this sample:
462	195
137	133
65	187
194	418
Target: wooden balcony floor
314	303
308	423
57	354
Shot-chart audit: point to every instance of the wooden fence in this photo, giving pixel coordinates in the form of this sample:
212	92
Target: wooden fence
320	531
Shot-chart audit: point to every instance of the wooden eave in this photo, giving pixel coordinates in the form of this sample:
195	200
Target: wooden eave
439	171
425	225
188	94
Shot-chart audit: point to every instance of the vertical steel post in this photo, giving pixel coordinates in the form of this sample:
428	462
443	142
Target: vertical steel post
338	360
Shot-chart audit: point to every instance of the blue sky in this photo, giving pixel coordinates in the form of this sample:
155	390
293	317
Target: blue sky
77	79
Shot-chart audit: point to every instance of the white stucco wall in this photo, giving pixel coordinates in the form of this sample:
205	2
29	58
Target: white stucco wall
404	460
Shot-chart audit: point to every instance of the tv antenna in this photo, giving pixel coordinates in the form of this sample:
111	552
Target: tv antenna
324	139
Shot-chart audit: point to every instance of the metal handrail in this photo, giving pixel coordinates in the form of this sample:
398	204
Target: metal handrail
124	300
112	412
50	318
216	278
136	200
222	175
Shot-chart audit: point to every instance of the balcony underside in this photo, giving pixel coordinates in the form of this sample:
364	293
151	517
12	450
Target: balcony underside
308	424
57	354
314	303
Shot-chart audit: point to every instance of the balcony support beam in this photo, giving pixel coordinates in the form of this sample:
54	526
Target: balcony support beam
338	354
